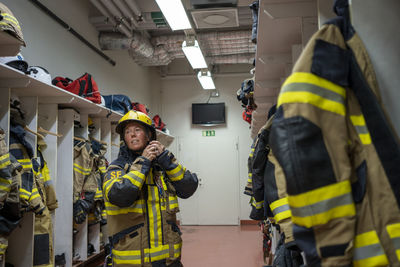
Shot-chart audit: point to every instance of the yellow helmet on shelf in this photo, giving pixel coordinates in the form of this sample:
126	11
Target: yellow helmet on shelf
133	115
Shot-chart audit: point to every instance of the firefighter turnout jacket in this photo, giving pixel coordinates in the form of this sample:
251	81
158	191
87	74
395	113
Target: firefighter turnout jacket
141	204
43	237
23	152
339	153
10	182
85	184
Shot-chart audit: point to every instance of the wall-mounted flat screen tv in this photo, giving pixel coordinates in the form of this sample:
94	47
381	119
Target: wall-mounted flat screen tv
208	113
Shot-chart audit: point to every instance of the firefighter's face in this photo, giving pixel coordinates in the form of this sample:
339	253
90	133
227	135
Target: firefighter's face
136	137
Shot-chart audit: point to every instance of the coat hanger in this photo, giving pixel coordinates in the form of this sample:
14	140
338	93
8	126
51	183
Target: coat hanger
97	140
26	128
40	129
79	139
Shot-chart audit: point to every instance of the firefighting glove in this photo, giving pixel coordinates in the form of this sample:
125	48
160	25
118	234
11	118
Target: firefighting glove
81	208
285	257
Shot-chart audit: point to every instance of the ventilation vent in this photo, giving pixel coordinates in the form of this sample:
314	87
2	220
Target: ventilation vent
213	3
215	18
158	19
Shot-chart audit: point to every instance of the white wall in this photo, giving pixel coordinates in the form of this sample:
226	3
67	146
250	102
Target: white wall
177	96
382	41
62	54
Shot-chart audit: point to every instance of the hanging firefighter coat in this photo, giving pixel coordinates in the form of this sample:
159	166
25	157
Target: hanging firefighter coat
85	185
10	182
97	213
23	152
141	203
339	154
43	255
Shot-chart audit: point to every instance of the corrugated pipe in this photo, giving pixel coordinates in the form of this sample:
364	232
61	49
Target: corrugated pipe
71	30
138	43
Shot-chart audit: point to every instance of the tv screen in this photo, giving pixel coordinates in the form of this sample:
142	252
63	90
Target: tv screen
208	114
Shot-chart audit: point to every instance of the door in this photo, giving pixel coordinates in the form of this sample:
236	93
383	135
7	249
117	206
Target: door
215	161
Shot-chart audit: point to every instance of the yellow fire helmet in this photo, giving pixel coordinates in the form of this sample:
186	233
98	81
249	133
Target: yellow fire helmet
10	24
133	115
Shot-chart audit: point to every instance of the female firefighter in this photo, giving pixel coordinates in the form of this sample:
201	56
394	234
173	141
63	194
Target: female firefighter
140	191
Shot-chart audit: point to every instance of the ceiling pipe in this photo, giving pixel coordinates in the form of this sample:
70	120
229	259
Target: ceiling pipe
127	13
116	13
121	28
134	7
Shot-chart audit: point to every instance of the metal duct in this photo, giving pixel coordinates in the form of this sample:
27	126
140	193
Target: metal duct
138	43
229	47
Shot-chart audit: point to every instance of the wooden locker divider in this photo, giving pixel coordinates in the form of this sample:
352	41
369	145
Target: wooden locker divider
48	120
20	242
4	124
5	111
106	137
114	142
81	238
63	184
94	230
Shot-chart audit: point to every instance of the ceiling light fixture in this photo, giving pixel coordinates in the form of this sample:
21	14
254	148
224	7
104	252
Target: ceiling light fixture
175	14
193	53
205	79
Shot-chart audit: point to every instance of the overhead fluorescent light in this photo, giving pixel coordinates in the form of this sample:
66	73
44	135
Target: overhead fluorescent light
205	79
193	53
175	14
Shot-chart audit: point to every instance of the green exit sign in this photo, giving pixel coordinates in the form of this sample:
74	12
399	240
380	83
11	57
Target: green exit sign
209	133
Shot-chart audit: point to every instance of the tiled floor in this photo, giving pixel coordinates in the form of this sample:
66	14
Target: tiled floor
222	246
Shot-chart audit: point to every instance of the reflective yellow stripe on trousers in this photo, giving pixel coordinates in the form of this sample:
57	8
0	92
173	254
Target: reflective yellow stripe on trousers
321	205
368	251
394	233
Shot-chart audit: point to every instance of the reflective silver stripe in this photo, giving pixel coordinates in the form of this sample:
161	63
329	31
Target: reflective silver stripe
173	201
361	129
322	206
311	88
6	159
127	257
159	253
367	252
154	209
396	242
281	209
137	206
135	177
180	172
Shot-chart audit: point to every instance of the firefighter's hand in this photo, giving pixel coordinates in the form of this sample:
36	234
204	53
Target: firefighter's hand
150	152
159	147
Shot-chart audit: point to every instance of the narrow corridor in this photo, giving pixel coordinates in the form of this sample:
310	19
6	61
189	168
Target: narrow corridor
222	246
